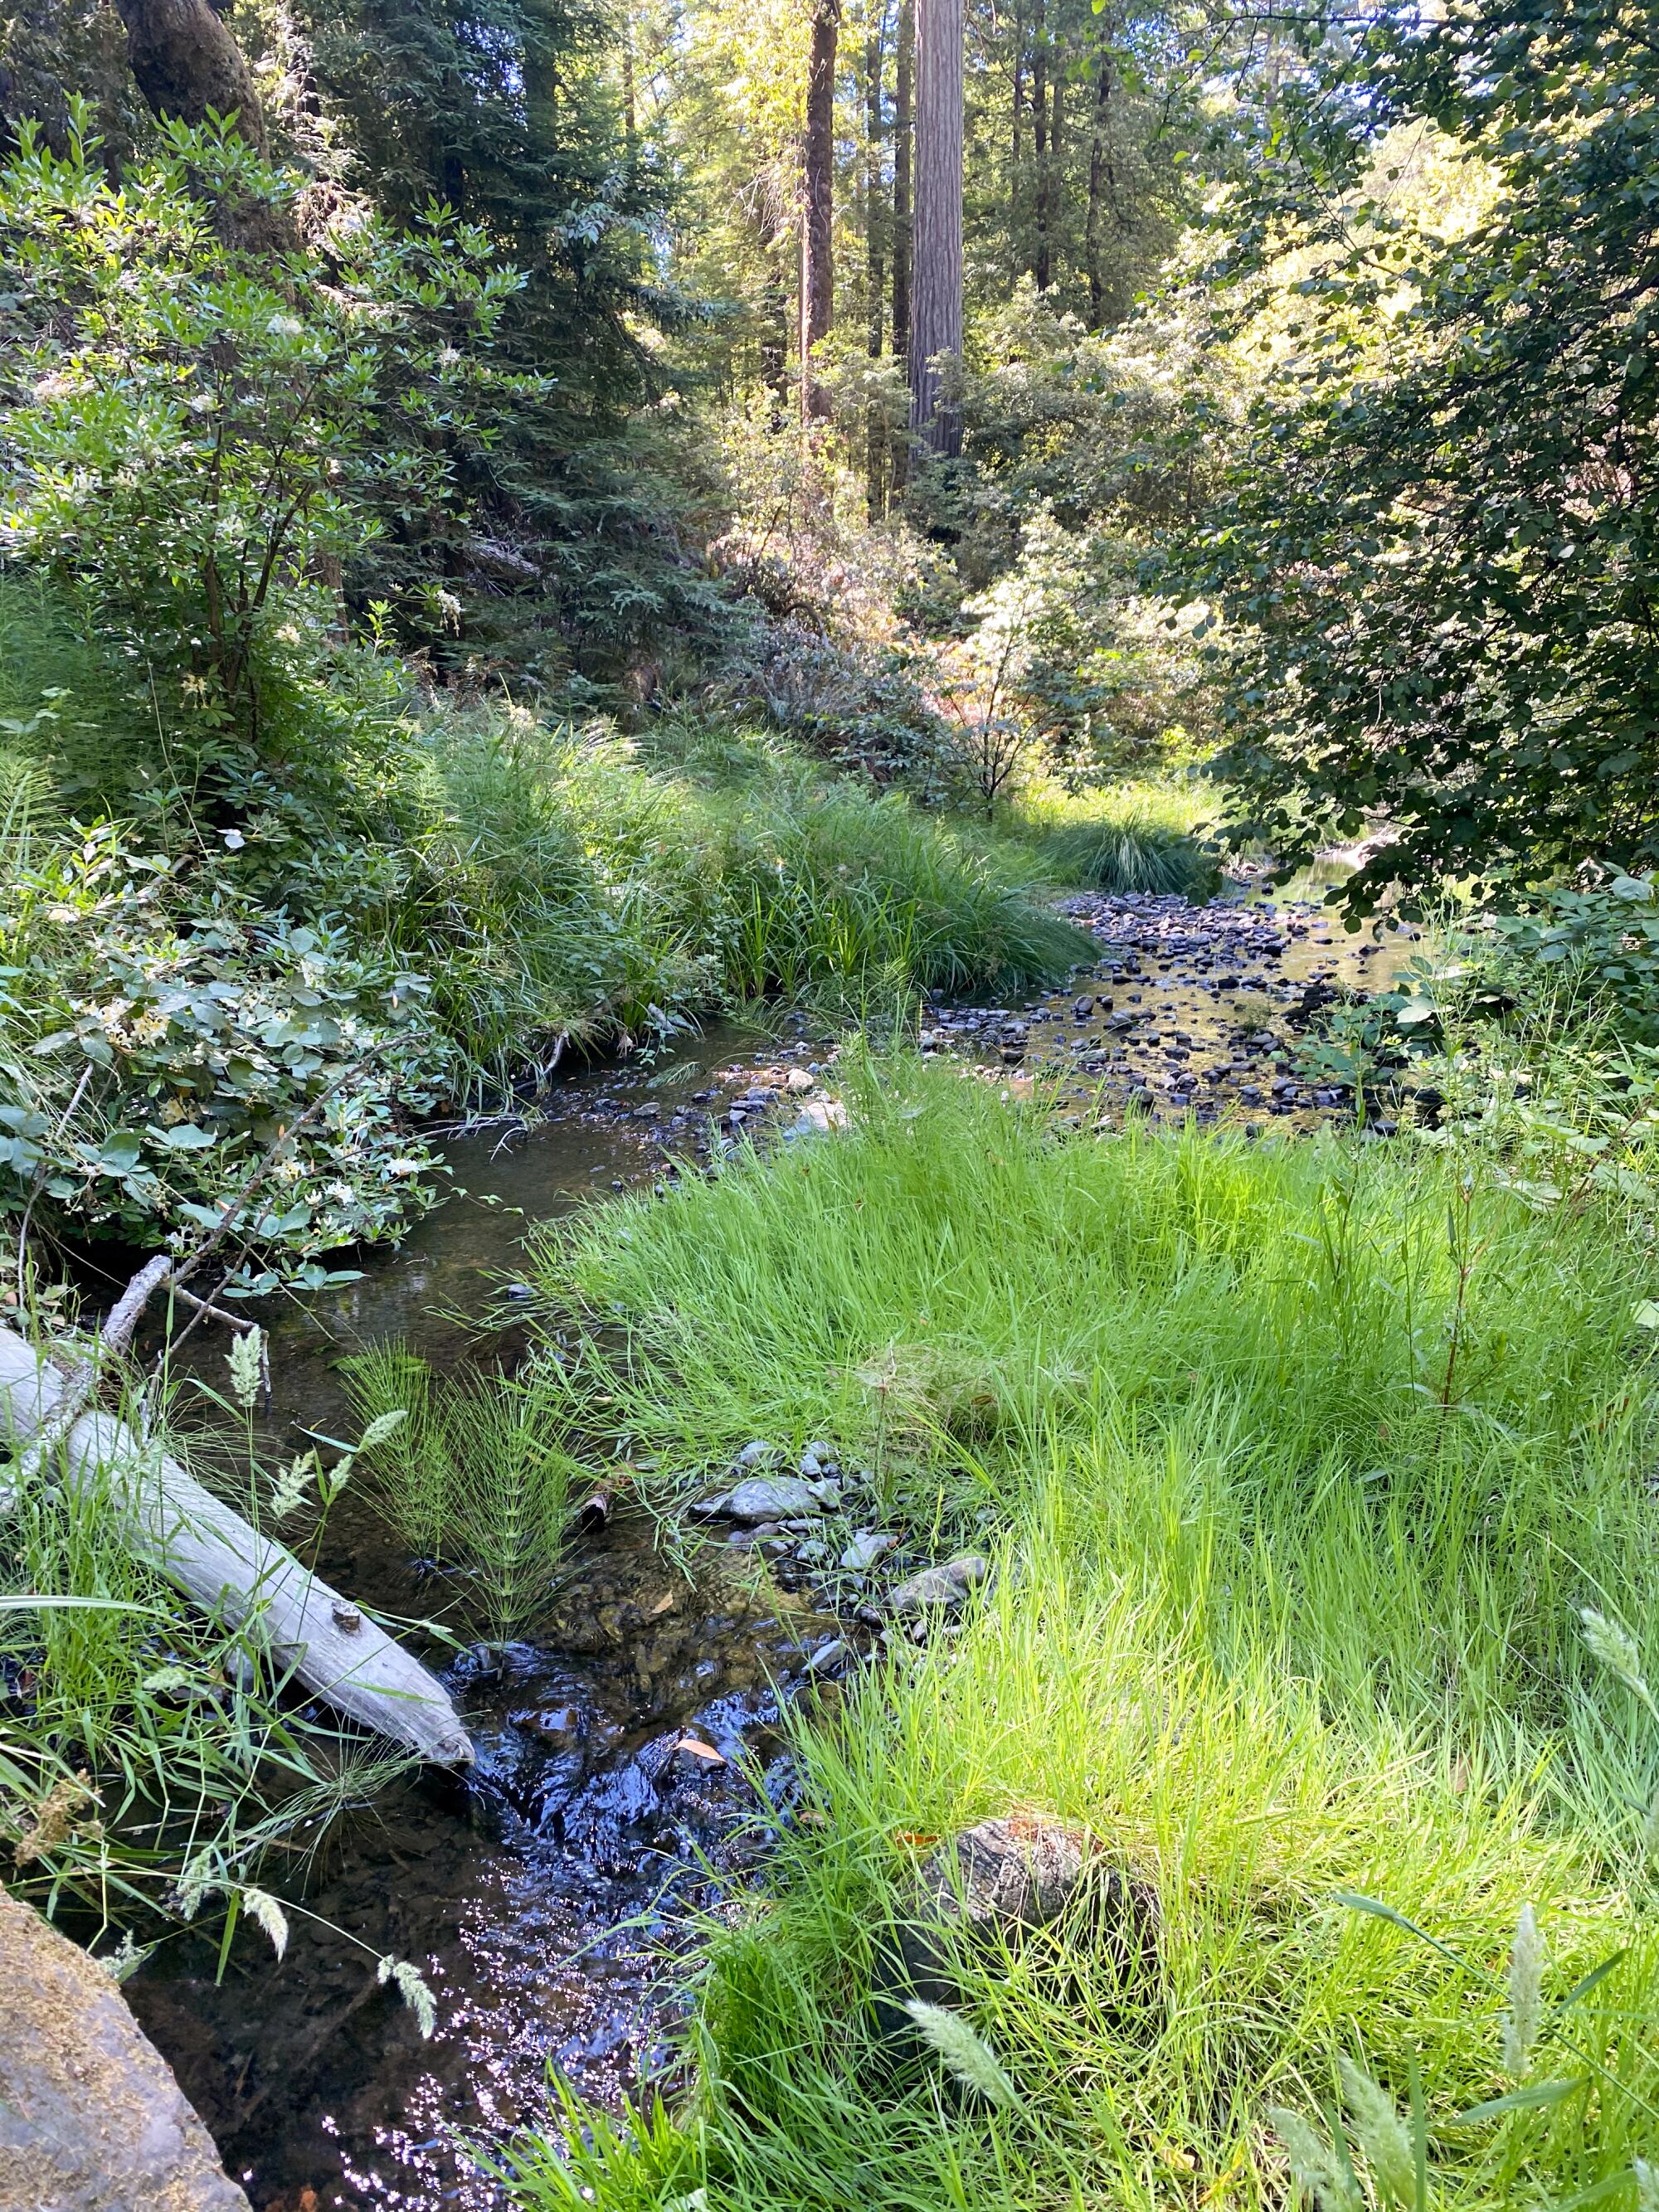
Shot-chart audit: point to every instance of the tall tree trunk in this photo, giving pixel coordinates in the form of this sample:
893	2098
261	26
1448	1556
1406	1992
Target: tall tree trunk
776	235
186	61
1040	255
936	308
903	138
876	462
1019	94
1098	188
817	295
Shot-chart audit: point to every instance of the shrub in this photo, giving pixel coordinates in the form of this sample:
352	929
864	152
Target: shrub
197	424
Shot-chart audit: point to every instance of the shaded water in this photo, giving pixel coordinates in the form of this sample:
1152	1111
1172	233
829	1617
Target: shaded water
629	1759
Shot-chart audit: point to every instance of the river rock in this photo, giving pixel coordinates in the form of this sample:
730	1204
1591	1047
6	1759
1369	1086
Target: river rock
985	1889
939	1588
771	1497
91	2119
758	1454
818	1117
868	1545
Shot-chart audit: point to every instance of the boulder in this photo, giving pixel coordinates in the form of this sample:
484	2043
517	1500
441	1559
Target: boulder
91	2119
986	1890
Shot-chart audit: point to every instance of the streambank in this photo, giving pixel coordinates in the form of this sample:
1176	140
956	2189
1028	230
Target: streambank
629	1761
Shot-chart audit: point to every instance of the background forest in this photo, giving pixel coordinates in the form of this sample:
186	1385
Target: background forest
527	526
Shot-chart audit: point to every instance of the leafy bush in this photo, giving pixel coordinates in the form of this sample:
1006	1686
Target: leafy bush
195	422
174	1041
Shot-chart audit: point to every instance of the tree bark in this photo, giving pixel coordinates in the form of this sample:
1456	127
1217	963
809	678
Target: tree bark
186	62
904	211
1040	254
936	305
817	295
1097	188
876	462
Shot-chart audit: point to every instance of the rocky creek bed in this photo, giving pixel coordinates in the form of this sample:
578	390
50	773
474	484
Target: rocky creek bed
630	1762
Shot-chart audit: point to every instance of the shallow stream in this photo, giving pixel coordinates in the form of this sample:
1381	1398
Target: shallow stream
630	1762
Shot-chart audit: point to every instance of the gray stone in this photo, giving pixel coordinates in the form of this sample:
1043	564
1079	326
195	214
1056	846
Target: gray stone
758	1454
988	1889
868	1545
939	1588
829	1658
91	2119
771	1497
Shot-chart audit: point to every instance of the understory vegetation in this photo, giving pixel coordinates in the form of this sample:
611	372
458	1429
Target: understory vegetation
1303	1467
527	528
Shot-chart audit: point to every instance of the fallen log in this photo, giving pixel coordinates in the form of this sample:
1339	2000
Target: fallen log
231	1570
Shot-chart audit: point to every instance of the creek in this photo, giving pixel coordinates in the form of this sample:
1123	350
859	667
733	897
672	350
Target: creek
630	1765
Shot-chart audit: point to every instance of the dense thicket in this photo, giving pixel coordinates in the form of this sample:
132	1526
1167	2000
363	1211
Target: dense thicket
1436	554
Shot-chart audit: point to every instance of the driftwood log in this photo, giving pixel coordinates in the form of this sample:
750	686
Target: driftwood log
228	1568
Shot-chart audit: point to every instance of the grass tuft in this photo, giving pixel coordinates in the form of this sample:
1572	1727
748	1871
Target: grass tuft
1299	1462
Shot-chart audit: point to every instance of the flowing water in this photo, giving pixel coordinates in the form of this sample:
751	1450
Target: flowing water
630	1764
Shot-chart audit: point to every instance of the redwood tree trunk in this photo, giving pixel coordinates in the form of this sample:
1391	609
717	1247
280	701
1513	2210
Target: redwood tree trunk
936	282
1041	265
185	62
875	465
817	296
903	211
1098	188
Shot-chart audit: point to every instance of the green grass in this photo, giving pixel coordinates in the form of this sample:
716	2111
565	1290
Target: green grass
1300	1461
1147	837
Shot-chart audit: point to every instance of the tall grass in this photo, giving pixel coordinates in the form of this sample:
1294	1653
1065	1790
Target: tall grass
1146	837
1301	1462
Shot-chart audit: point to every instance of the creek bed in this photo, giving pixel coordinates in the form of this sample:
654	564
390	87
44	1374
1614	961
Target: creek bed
630	1764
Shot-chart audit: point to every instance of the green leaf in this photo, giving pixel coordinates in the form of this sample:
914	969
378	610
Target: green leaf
1535	2094
186	1137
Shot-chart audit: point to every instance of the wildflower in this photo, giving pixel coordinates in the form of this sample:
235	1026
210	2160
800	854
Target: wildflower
1527	1959
245	1362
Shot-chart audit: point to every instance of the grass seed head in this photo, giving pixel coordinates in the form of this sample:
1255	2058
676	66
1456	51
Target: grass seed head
1381	2132
966	2054
1527	1959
